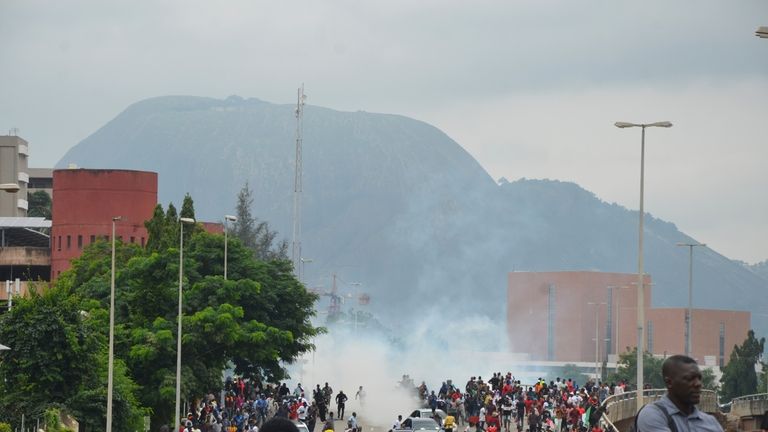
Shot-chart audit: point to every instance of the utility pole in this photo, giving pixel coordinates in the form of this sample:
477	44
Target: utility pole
297	182
689	310
597	337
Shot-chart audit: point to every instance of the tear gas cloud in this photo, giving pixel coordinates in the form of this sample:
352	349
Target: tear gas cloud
435	349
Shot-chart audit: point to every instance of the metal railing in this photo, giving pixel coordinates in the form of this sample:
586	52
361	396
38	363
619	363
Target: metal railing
623	406
749	405
757	396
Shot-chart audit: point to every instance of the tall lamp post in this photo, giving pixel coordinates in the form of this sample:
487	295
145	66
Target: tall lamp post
615	291
597	337
9	187
302	262
177	412
111	366
640	275
227	218
689	311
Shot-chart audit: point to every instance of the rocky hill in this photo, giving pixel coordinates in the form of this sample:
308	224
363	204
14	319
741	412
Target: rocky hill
395	204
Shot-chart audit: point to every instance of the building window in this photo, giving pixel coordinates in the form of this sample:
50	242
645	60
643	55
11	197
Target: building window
133	239
650	337
119	238
93	238
59	247
79	241
142	242
551	322
721	356
69	242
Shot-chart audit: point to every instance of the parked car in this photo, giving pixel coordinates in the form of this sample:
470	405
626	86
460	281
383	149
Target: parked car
427	413
412	424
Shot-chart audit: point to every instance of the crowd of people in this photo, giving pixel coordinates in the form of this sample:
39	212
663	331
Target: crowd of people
245	405
496	405
503	402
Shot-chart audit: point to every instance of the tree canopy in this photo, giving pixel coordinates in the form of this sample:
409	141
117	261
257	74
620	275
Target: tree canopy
256	235
739	375
627	370
258	320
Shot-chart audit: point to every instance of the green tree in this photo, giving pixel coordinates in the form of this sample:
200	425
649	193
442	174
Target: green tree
155	228
39	204
51	352
188	211
59	360
568	370
709	380
257	320
256	235
739	376
626	370
170	237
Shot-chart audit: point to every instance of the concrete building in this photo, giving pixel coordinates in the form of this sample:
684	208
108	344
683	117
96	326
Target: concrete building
558	316
551	315
86	200
14	153
714	333
40	179
25	254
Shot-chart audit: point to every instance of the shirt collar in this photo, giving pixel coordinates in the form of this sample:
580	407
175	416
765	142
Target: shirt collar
673	409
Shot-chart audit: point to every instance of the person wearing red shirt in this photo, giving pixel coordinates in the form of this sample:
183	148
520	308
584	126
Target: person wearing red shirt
528	405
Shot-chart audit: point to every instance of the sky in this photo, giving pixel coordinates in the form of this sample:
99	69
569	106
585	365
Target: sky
531	89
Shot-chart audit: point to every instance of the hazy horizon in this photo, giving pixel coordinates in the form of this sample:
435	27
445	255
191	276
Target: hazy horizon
529	89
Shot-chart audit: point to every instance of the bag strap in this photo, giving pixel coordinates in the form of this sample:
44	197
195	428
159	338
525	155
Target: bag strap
670	421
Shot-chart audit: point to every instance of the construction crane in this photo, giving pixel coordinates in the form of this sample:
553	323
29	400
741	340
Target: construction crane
337	299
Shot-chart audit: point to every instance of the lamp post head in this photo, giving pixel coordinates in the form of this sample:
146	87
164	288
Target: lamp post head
664	124
762	32
230	218
10	187
117	218
187	220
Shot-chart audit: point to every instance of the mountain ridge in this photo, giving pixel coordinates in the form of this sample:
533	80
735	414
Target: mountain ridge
396	204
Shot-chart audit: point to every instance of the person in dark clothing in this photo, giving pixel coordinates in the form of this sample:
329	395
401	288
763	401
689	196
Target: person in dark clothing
312	416
341	399
279	424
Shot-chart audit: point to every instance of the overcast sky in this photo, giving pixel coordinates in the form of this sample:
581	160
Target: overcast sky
530	88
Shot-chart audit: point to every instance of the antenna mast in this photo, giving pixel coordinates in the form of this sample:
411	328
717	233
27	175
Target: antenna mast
297	182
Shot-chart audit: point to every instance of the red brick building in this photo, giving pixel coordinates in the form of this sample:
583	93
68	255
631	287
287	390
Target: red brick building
714	332
86	200
555	316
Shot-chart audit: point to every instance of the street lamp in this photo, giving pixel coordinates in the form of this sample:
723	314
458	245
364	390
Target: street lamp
357	286
231	219
111	366
615	291
182	221
303	261
689	312
597	336
9	187
640	285
762	32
